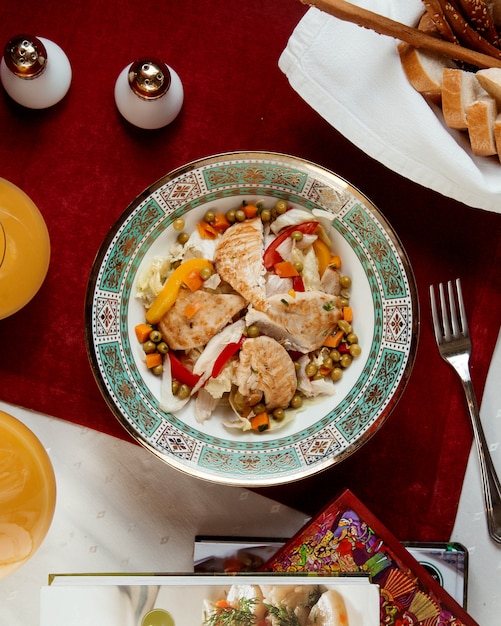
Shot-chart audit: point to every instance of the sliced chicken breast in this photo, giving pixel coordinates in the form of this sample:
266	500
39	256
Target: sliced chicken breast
298	323
266	367
239	260
330	282
183	331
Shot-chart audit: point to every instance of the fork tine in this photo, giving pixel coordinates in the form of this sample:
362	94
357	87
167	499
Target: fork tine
445	315
452	308
434	314
462	311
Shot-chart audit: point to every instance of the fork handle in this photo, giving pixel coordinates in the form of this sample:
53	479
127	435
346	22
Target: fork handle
490	480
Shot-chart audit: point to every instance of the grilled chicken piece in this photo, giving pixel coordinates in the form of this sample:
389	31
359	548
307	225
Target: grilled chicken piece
215	312
239	260
330	281
300	323
266	367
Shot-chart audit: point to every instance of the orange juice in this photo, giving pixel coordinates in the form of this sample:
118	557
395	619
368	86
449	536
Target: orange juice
24	249
27	493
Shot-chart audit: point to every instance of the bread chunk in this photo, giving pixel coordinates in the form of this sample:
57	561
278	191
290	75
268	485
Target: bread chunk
424	70
490	80
497	134
459	89
481	117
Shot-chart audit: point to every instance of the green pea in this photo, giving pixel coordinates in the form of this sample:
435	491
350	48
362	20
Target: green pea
344	326
205	273
240	215
336	373
178	224
259	408
296	235
328	362
155	336
352	338
355	349
183	392
182	238
298	266
209	217
175	386
345	282
281	207
278	414
252	331
265	215
162	347
335	355
158	370
296	401
230	216
311	369
346	360
149	346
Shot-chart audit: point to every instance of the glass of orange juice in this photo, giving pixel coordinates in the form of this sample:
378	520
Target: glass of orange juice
24	249
27	493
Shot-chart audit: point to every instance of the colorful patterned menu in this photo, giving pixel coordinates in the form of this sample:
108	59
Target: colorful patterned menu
345	537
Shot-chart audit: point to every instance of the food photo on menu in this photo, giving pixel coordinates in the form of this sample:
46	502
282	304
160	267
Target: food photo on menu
259	600
271	408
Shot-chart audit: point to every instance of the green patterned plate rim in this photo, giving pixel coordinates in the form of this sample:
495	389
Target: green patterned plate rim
327	431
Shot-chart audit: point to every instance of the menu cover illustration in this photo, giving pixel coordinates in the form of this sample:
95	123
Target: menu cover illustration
345	537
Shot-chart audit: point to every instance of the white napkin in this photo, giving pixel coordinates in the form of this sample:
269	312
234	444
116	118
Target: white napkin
352	76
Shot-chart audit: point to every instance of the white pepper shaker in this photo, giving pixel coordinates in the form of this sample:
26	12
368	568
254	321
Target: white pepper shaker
35	71
149	94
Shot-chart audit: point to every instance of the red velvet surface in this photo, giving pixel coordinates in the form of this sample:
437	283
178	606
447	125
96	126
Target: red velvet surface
82	165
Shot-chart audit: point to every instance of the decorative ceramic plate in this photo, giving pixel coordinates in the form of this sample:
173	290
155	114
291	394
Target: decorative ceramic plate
383	297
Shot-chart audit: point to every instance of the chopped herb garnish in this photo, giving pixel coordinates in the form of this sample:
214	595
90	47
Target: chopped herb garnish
284	301
328	306
284	616
230	616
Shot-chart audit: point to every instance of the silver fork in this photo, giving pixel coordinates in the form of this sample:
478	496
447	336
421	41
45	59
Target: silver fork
454	345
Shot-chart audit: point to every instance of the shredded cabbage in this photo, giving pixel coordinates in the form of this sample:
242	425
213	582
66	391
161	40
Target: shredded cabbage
151	281
291	218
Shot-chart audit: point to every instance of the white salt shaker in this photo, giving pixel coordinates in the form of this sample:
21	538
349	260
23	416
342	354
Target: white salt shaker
35	71
149	94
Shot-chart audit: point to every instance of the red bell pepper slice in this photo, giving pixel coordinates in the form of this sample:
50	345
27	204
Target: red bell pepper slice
297	283
271	256
181	373
225	355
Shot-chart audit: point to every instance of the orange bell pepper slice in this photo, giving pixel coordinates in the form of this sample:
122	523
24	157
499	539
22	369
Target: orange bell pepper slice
285	269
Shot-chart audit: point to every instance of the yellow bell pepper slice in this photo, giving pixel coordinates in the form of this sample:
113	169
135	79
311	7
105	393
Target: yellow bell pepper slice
324	255
166	298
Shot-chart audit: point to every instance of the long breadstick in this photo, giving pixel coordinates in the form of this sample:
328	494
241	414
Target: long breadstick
349	12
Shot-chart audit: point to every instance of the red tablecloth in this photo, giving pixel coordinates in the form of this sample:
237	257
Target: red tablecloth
82	165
